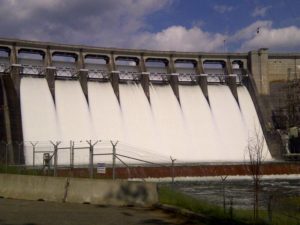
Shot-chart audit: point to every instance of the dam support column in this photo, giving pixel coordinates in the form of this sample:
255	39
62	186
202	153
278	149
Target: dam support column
15	76
174	84
229	66
13	120
114	79
50	77
143	64
145	84
258	85
199	68
259	70
231	83
83	79
7	124
203	85
48	58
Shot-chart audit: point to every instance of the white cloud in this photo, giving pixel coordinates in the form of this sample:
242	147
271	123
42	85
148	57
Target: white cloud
251	30
180	38
92	22
122	24
222	8
260	11
276	39
281	39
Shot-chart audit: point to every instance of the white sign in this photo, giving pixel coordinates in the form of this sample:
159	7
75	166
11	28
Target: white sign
101	168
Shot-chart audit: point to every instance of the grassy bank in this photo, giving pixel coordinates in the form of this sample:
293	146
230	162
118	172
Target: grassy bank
213	214
19	170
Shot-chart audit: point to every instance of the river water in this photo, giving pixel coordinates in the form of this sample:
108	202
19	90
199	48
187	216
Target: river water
241	190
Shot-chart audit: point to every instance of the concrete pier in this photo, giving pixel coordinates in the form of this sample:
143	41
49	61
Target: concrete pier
173	79
231	82
114	79
83	78
145	84
203	85
50	77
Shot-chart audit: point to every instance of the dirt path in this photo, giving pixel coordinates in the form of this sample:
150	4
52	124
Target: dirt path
20	212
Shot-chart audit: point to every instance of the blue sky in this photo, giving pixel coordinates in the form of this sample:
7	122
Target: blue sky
183	25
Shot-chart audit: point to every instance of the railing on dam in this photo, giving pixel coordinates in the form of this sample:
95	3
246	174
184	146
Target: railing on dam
102	75
66	72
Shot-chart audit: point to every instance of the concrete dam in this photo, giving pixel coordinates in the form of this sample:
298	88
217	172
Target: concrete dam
194	107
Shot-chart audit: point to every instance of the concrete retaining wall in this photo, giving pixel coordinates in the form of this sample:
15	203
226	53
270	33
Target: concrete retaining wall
32	187
78	190
111	192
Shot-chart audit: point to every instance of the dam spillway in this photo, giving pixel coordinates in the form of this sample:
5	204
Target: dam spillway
193	131
193	107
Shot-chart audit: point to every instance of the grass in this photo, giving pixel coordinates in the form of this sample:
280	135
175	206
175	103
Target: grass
213	213
19	170
216	214
287	211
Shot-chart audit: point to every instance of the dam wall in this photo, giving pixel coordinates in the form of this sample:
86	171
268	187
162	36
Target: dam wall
147	95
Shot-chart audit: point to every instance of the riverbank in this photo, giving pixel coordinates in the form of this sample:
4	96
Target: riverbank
207	213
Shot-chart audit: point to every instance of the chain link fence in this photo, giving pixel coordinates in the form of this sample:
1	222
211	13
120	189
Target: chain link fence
93	159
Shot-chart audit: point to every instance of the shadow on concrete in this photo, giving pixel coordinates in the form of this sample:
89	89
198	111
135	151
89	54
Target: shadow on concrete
129	195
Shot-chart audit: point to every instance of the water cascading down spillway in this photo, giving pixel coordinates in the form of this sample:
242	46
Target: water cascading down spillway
192	131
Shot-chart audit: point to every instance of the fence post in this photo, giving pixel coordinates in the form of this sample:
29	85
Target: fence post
223	179
270	209
173	169
91	163
231	208
6	157
33	152
55	157
19	156
114	160
72	154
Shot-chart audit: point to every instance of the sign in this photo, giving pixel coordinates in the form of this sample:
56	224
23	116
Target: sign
101	168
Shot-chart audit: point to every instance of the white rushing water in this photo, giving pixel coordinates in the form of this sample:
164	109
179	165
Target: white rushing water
200	126
105	112
192	131
170	126
139	126
74	119
251	119
39	119
229	124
